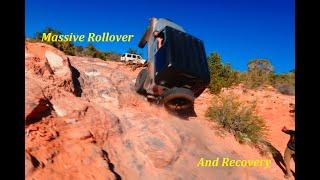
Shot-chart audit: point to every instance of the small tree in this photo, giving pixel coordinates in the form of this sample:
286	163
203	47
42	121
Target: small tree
262	65
260	72
222	75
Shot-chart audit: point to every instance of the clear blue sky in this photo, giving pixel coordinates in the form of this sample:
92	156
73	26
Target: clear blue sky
239	30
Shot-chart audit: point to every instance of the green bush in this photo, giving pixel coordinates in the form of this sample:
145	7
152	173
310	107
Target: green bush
222	75
260	72
91	51
285	83
238	119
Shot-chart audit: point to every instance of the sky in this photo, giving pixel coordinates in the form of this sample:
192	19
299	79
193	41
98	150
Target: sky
239	30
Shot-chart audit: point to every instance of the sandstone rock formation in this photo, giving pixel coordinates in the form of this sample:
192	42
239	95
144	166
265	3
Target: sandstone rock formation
84	121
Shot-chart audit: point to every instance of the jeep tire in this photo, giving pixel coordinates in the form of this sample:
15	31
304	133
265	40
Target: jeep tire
178	99
141	78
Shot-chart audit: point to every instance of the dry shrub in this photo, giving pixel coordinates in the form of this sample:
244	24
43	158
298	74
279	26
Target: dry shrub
239	119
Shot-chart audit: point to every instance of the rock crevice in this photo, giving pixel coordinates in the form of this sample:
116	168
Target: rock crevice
86	109
111	165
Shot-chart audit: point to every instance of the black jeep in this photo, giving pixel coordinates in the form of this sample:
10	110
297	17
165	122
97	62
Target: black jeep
177	72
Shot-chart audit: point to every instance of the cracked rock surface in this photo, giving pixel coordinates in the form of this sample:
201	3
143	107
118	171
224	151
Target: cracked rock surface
84	121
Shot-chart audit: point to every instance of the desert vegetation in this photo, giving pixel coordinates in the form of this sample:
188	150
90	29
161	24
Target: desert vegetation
70	49
240	119
237	117
260	72
222	75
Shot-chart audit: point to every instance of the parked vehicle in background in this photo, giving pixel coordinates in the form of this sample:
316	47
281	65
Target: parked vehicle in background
134	58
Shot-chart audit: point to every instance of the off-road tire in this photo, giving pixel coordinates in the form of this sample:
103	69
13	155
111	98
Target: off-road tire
141	78
178	99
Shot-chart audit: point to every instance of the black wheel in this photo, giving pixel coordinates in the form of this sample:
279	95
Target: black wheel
178	99
142	76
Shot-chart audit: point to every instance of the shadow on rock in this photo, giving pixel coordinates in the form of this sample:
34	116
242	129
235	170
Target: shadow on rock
184	114
76	83
43	109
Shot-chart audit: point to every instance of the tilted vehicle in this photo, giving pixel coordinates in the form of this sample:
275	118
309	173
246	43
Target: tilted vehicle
177	72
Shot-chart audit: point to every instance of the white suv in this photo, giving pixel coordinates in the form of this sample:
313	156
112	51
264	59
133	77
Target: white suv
135	58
